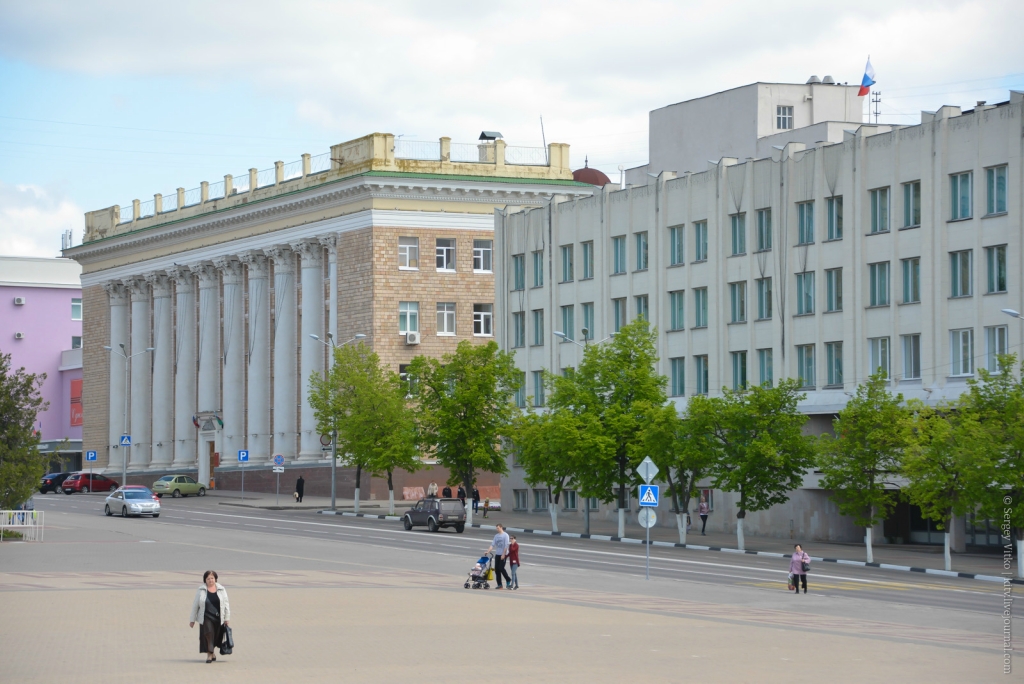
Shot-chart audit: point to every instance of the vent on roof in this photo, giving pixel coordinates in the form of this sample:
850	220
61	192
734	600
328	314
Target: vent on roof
828	80
813	79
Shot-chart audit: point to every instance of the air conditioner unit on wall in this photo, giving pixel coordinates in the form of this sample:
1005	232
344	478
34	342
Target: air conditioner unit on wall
19	301
412	338
19	336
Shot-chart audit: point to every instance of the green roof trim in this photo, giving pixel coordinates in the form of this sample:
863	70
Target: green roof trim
485	179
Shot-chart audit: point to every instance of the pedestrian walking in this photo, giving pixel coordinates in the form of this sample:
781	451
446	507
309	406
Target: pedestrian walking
513	560
300	486
476	499
432	490
799	566
499	546
462	495
446	492
487	506
211	610
702	510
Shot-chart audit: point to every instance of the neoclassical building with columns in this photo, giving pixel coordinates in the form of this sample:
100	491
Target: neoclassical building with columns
201	306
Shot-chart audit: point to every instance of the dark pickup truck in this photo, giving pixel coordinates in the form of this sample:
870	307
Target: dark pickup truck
435	514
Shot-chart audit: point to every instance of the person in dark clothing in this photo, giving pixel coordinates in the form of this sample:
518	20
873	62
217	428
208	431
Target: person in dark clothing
211	609
476	499
300	486
462	495
446	492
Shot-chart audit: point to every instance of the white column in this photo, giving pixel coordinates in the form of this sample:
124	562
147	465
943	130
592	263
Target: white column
285	361
312	254
117	294
258	369
208	394
163	371
331	243
184	367
141	369
234	357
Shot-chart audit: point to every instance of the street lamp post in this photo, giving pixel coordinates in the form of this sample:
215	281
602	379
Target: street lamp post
334	430
127	367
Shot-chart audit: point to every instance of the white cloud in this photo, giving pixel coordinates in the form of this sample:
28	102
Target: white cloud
32	220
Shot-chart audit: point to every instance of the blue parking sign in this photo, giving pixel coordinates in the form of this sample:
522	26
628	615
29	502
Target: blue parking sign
649	495
90	455
243	456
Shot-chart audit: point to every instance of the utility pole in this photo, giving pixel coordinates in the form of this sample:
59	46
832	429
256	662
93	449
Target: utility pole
876	99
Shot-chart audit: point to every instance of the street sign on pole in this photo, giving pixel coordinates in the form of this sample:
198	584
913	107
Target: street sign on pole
243	456
647	470
278	459
649	495
90	455
325	440
648	517
126	440
278	469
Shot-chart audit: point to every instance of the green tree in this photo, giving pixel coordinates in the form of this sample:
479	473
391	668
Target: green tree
21	463
465	409
947	464
860	463
366	403
760	450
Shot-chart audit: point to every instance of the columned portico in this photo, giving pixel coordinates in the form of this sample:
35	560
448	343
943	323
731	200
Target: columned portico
258	368
118	297
311	253
163	369
234	356
331	243
285	361
184	366
141	374
208	402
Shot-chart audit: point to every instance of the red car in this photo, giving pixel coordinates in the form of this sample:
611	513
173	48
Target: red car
85	483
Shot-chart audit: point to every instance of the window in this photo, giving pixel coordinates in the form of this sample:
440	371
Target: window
700	307
675	245
764	299
408	317
878	280
738	302
518	329
995	345
593	503
764	364
569	499
76	308
805	223
960	195
482	315
445	252
569	322
482	252
995	258
521	391
995	181
538	327
540	499
409	253
764	230
962	351
618	313
588	260
834	289
408	380
805	293
834	211
676	310
678	380
519	272
446	318
567	254
783	117
538	268
878	355
880	210
911	357
641	251
834	363
76	341
739	234
642	308
701	365
538	388
911	280
912	204
588	321
960	273
700	241
522	499
619	254
739	370
805	365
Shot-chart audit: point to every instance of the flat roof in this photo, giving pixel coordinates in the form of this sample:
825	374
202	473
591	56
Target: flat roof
40	272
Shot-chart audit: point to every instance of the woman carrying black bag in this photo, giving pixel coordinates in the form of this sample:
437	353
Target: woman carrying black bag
211	609
799	565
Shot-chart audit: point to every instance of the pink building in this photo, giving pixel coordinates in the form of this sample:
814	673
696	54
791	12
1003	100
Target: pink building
41	328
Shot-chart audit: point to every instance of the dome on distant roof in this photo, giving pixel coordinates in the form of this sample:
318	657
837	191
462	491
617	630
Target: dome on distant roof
589	175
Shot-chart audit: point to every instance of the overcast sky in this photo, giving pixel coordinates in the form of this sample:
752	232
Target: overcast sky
103	101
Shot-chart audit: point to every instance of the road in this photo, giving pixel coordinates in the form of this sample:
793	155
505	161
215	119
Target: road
923	625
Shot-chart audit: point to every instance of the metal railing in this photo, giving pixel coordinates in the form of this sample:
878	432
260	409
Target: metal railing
467	152
424	150
320	163
169	202
526	156
126	212
293	170
240	183
193	197
217	190
266	177
29	524
147	208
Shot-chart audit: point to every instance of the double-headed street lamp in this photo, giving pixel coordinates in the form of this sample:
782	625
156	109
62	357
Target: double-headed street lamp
330	344
127	360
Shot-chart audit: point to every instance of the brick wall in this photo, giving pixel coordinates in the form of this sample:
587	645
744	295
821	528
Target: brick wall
95	372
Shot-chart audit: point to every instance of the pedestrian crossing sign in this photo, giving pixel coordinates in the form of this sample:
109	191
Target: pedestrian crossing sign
126	440
648	495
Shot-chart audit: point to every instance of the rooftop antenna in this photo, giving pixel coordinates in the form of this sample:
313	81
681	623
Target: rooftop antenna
876	99
544	139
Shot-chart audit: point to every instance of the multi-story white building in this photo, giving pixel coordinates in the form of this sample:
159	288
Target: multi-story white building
894	249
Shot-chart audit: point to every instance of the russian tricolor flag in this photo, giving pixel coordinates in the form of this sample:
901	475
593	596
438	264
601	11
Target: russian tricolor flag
869	79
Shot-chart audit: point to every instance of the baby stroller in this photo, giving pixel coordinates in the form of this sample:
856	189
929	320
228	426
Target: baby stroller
480	573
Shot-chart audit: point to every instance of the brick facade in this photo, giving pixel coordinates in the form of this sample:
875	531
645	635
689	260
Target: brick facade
95	373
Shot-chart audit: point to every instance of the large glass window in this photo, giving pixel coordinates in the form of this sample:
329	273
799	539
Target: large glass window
805	293
538	327
446	318
764	299
878	281
911	357
588	321
518	271
675	246
521	398
805	365
834	363
619	314
996	344
519	329
538	388
76	308
678	381
642	307
765	367
878	355
960	195
911	280
912	204
676	309
700	241
995	181
700	307
567	270
805	223
483	315
483	251
619	254
880	210
445	254
784	117
538	268
701	366
739	370
569	322
641	251
764	230
995	259
408	317
738	302
960	266
834	210
588	260
739	233
962	352
409	252
834	289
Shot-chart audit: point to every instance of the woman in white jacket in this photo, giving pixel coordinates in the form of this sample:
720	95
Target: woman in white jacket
210	608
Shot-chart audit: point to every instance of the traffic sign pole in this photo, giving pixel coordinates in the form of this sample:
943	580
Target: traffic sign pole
647	572
648	499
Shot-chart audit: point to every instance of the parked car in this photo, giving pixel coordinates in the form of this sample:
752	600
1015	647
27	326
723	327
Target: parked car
51	482
435	514
132	500
178	485
85	483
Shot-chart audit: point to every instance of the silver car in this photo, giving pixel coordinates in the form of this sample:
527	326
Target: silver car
132	500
